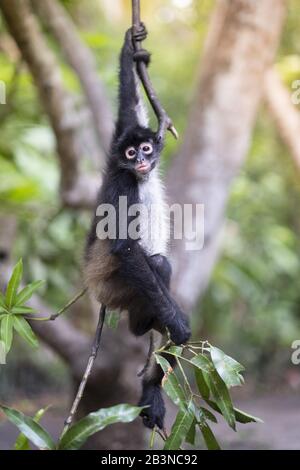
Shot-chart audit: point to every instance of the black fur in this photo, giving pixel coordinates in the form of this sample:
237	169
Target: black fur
147	276
154	412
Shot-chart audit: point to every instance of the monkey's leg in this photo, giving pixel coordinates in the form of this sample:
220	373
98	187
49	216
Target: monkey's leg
136	270
151	396
141	319
160	265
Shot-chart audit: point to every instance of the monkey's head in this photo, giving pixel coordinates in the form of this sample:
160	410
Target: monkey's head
138	151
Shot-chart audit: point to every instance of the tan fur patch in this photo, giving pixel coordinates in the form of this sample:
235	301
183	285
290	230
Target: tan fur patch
101	277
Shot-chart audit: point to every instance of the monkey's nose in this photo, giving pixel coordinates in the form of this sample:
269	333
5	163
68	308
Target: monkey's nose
140	159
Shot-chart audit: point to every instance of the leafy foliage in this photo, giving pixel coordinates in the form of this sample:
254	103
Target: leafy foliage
22	442
94	422
30	428
76	435
13	309
215	374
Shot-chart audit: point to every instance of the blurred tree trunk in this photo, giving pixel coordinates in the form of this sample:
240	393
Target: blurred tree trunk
284	113
240	48
241	45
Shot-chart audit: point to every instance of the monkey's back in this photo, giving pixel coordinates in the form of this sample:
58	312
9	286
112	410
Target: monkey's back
102	277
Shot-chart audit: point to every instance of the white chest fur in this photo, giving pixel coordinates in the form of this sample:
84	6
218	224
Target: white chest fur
154	226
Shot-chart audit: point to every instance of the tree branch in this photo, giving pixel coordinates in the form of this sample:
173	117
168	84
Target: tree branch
82	61
88	370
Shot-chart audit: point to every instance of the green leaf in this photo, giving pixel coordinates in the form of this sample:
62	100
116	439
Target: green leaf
209	438
7	331
244	418
32	430
176	350
22	442
180	430
221	395
24	330
228	368
13	284
23	310
191	435
201	384
112	320
4	310
200	360
240	416
26	293
76	436
171	384
208	415
2	300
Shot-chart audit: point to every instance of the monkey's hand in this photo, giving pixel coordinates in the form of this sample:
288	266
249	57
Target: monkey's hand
142	56
131	37
141	34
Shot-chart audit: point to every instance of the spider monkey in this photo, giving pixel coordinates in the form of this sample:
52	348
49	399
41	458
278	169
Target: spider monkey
129	273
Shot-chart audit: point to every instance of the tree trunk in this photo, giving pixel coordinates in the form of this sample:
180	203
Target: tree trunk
284	113
241	46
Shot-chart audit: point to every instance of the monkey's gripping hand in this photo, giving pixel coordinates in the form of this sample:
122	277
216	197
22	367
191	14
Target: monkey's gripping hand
131	39
141	55
141	33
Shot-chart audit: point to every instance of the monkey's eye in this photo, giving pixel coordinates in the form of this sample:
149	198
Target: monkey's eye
130	153
146	148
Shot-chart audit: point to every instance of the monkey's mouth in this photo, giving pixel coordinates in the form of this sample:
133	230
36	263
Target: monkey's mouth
143	168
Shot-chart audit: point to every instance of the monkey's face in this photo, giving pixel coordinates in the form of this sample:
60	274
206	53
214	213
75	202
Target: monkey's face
139	153
141	158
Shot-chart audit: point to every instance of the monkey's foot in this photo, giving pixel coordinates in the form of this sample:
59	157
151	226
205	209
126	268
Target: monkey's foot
179	329
155	412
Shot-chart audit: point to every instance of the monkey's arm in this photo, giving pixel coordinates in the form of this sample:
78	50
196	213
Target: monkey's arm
129	96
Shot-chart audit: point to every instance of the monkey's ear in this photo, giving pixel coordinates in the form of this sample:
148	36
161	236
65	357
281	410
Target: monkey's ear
120	138
159	140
